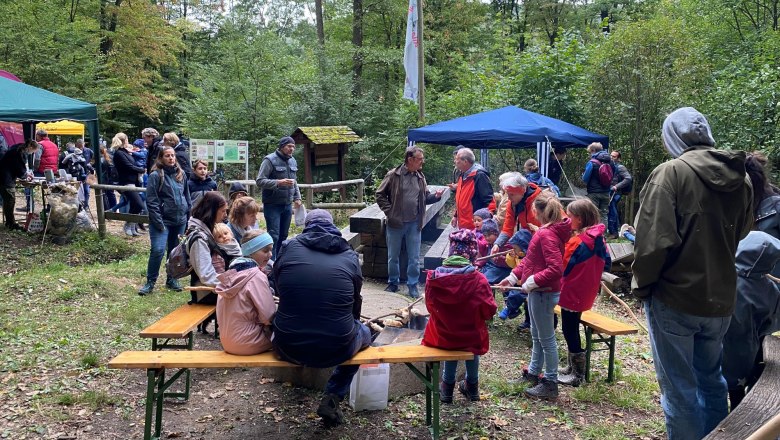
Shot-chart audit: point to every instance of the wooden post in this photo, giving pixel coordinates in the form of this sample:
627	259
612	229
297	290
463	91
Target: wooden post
100	213
309	203
360	189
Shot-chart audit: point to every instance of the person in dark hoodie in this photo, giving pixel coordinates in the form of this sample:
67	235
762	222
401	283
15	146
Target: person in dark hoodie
318	280
168	203
693	212
598	193
13	165
200	182
756	313
766	198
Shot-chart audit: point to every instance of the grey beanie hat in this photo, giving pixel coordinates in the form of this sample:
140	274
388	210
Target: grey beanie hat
318	215
685	128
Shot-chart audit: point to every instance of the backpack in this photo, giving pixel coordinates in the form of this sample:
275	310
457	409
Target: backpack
605	172
178	264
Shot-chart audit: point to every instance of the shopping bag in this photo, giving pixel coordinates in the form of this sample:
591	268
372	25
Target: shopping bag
300	215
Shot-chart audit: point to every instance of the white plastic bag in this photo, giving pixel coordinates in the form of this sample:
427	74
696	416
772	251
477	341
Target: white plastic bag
370	386
299	214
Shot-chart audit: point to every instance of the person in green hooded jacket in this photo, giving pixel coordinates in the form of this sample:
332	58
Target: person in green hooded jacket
693	212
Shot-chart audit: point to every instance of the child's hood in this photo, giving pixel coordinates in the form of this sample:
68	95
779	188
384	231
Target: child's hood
455	288
590	234
231	282
757	254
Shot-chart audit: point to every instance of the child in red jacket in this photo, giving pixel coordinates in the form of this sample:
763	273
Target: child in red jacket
460	302
540	277
585	257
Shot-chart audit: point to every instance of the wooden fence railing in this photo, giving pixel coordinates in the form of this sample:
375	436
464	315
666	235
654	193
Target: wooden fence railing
102	215
308	190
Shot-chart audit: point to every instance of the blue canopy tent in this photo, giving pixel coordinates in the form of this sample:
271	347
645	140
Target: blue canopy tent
507	127
28	105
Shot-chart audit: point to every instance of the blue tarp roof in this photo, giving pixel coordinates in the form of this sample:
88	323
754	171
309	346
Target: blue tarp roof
508	127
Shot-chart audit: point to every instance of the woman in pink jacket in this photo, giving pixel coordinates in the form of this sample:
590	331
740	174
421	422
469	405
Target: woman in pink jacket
245	303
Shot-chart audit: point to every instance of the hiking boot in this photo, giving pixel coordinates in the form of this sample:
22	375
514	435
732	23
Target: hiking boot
329	410
445	391
470	390
577	374
524	327
147	289
413	291
546	389
567	369
142	228
139	229
526	379
391	288
173	284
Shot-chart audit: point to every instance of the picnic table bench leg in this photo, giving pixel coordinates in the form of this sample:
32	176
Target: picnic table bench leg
588	347
611	373
154	377
157	346
431	381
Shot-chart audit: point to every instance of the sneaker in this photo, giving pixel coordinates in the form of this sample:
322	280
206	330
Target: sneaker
413	291
146	289
138	229
173	285
524	327
503	314
329	410
391	288
627	228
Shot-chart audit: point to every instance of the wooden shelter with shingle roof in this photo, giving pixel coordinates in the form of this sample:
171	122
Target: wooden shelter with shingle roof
324	149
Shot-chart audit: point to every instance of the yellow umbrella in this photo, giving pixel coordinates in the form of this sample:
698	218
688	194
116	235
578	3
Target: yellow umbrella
62	128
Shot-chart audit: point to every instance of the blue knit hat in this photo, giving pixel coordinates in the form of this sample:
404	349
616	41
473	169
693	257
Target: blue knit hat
483	213
286	140
489	226
521	239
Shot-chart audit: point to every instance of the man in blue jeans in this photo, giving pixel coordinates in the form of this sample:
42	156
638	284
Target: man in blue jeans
402	196
277	180
693	212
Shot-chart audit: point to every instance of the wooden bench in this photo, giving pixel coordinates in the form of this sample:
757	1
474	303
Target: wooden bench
439	251
760	405
179	324
156	362
621	253
606	329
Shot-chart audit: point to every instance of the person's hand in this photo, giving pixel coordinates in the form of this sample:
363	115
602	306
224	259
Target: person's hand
532	227
297	204
285	182
452	186
494	249
454	222
504	285
438	193
28	176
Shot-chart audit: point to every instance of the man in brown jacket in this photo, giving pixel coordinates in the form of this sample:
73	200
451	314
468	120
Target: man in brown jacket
693	211
402	196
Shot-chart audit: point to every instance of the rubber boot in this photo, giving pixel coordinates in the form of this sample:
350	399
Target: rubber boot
567	369
329	410
577	375
445	391
546	390
470	390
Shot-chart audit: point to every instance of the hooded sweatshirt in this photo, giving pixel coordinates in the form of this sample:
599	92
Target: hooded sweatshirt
459	301
584	259
757	310
244	310
693	211
544	259
318	280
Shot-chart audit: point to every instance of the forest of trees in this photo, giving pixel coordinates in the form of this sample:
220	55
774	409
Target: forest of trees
252	69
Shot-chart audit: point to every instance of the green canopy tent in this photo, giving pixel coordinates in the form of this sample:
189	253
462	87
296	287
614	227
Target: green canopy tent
28	105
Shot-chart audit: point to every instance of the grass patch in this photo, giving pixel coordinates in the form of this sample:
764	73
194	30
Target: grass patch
90	360
93	399
631	391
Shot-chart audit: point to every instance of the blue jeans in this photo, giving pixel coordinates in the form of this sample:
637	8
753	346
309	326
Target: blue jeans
341	378
495	274
614	218
544	352
472	371
410	234
514	300
277	222
687	353
161	240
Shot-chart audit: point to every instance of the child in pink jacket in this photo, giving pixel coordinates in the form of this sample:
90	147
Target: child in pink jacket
245	303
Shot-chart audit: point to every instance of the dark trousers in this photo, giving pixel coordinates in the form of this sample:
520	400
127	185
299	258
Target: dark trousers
9	201
341	378
570	327
135	201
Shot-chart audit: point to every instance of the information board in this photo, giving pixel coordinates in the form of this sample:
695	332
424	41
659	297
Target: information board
216	151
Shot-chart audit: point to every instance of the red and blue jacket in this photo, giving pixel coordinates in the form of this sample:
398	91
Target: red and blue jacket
585	257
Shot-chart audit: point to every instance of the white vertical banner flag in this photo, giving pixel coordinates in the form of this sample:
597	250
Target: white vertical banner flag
411	65
543	157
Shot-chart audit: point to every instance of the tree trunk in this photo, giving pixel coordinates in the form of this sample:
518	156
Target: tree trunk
320	22
357	43
107	25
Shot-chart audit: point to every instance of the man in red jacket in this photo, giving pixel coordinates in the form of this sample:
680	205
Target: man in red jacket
45	159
